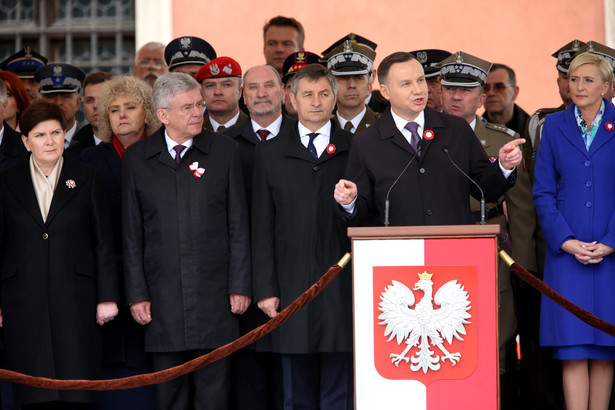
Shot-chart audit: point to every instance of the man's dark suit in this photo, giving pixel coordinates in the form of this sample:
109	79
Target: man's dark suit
83	139
12	149
186	241
207	124
431	191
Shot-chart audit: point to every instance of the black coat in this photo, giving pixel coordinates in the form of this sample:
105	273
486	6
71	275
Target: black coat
53	276
297	236
123	340
82	140
431	191
12	149
186	240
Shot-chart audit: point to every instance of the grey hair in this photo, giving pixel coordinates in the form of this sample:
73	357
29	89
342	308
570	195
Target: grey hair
273	70
313	72
152	45
3	92
166	86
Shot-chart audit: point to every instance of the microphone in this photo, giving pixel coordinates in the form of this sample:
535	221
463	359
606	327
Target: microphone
444	149
419	148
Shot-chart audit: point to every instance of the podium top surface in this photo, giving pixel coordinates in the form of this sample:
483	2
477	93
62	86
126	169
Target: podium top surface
431	231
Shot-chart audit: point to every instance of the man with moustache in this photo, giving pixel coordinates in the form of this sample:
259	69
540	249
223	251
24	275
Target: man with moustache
86	136
296	235
431	191
221	82
187	54
502	91
429	59
282	36
256	369
149	62
351	61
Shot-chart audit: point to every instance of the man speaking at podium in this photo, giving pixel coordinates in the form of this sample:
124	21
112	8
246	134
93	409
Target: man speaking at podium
409	157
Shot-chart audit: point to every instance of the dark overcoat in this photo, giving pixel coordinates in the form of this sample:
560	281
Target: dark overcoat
431	191
54	274
297	236
12	149
186	240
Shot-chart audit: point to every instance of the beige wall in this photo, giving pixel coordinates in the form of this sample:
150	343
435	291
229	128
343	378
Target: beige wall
520	33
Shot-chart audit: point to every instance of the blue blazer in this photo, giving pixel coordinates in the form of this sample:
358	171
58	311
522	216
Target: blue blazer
574	195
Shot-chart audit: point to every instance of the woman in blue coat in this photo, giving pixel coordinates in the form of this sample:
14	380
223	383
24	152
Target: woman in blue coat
574	195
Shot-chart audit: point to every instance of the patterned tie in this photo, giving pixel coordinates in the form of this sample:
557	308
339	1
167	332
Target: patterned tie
263	133
311	146
414	140
348	126
178	150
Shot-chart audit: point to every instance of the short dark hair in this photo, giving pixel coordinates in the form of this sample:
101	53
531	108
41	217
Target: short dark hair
281	21
313	72
510	71
97	78
385	65
38	112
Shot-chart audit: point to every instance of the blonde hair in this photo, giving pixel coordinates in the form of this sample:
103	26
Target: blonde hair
130	87
605	69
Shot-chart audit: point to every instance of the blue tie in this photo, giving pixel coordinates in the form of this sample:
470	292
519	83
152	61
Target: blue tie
311	146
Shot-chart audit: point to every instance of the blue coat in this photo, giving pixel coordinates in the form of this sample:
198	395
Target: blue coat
574	195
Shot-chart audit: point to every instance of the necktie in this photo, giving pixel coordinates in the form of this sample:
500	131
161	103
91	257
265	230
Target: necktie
414	140
348	126
311	146
178	150
220	128
263	133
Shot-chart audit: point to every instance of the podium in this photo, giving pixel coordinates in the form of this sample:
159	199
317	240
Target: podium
425	317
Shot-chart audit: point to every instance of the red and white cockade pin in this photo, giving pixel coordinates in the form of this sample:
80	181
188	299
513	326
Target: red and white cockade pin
609	126
70	183
428	135
331	149
198	172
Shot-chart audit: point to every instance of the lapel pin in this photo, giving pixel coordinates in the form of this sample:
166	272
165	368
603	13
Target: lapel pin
198	172
609	126
428	135
331	149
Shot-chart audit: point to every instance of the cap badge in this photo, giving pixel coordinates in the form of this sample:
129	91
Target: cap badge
576	45
331	149
422	57
185	43
428	135
213	69
228	69
300	57
591	47
198	172
459	57
609	126
348	47
57	71
28	52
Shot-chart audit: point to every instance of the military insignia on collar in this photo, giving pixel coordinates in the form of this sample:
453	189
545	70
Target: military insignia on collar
198	172
70	183
213	69
331	149
185	43
428	135
609	126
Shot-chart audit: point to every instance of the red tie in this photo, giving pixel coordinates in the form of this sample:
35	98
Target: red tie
263	133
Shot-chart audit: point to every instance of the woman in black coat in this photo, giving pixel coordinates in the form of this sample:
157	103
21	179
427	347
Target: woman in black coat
57	279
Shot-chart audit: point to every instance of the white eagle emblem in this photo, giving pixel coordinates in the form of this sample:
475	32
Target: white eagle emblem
213	69
422	57
57	71
228	69
424	326
185	43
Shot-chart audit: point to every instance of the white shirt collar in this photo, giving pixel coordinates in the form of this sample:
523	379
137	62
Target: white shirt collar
68	137
229	123
355	121
473	124
400	123
273	128
171	144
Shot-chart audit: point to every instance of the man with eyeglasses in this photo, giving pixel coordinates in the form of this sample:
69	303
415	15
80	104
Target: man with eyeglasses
221	82
502	91
186	243
149	62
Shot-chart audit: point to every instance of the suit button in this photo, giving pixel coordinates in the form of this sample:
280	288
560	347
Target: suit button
45	235
588	183
316	168
422	170
429	212
587	163
588	204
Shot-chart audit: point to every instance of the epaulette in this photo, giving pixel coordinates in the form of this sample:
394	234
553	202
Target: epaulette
501	128
542	112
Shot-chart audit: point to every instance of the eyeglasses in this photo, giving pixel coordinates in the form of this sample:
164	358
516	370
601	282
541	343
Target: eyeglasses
497	87
146	62
187	109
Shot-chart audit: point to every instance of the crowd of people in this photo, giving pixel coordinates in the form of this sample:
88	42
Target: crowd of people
201	199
